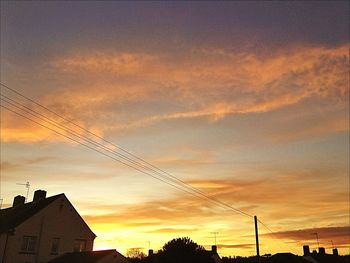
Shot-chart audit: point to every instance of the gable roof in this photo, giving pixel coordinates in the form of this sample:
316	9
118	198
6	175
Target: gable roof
13	216
89	257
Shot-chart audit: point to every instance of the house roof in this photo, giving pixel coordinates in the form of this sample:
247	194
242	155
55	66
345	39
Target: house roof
13	216
286	258
90	257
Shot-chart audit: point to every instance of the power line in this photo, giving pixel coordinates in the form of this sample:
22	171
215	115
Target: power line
66	129
271	231
124	150
91	148
140	163
172	178
221	204
96	144
97	136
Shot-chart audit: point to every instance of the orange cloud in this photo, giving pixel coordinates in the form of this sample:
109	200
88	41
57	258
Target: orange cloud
255	83
240	246
240	194
115	91
339	235
6	166
119	63
187	215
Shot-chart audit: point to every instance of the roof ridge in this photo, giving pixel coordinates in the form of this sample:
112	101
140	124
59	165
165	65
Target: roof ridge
12	217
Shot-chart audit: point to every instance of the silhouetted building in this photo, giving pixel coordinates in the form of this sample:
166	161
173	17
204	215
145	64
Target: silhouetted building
214	254
306	250
40	230
321	251
322	257
102	256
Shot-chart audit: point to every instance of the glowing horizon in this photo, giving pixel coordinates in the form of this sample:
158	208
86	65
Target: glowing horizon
248	102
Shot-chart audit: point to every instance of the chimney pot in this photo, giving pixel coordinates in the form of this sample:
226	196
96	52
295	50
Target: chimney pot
321	251
335	252
150	252
38	195
306	250
18	200
214	249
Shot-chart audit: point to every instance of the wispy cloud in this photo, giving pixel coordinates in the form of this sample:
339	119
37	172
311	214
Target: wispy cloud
208	84
339	235
11	166
241	246
173	230
238	193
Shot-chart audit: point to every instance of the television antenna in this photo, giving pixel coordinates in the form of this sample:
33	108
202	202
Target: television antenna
27	185
215	233
318	244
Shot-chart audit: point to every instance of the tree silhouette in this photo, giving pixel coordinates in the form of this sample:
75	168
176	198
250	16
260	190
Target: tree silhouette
184	250
135	253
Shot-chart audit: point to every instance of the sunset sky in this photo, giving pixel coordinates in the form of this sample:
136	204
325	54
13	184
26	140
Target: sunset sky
246	101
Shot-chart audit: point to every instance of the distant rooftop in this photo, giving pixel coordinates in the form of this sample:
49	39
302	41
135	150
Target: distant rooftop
89	257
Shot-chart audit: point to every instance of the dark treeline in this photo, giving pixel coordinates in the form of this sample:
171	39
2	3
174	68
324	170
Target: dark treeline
184	250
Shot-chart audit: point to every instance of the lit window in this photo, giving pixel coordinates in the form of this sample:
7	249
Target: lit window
54	245
29	244
79	245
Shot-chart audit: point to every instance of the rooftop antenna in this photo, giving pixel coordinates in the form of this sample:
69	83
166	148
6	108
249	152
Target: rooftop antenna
316	234
332	244
27	185
149	245
1	200
215	233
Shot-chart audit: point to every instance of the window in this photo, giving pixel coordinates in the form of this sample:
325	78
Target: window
79	245
29	244
54	245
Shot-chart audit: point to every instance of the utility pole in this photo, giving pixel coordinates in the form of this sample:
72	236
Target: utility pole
257	238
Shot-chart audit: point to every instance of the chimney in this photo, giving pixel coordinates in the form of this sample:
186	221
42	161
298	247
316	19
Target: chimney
214	249
306	250
18	200
321	251
335	252
38	195
150	252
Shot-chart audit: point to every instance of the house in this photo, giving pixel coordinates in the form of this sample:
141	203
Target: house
102	256
38	231
214	254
